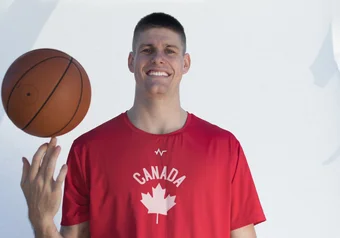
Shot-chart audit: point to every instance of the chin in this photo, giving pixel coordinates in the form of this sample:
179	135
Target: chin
157	86
157	90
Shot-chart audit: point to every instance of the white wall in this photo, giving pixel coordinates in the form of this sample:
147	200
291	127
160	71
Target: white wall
261	69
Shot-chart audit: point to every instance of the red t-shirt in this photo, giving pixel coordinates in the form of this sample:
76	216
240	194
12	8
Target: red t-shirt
191	183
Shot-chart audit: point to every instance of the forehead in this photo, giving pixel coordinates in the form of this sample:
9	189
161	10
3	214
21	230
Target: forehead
159	36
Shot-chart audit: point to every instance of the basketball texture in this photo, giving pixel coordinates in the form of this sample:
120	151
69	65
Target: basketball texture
46	92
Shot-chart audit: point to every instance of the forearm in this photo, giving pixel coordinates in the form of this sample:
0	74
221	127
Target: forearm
50	231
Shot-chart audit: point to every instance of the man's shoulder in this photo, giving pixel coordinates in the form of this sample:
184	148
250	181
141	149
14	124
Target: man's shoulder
109	128
211	130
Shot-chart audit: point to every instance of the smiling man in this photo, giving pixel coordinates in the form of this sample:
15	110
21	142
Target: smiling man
154	171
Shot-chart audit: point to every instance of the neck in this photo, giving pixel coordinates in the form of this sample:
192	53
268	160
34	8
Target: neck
157	116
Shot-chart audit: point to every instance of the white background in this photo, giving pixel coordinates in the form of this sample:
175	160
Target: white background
262	69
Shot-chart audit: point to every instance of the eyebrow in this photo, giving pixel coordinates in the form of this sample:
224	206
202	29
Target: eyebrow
151	45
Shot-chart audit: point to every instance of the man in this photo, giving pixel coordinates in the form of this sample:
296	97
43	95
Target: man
154	171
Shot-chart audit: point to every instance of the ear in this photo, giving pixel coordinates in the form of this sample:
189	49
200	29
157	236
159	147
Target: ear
187	63
131	62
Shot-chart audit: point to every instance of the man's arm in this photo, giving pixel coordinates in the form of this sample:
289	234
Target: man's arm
244	232
76	231
48	230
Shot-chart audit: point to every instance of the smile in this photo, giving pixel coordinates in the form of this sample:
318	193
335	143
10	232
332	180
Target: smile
157	73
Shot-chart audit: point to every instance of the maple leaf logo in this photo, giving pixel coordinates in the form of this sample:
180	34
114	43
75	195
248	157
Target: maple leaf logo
157	204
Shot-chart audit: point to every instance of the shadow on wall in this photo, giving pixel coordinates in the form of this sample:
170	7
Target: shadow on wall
20	27
324	69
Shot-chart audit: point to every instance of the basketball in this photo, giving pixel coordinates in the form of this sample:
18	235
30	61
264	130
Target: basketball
46	92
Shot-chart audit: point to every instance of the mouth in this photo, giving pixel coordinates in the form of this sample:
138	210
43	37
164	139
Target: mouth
157	73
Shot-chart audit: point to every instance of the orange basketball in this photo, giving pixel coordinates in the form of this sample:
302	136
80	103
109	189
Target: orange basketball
46	92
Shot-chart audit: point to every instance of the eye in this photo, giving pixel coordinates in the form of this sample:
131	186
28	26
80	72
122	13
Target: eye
170	51
147	50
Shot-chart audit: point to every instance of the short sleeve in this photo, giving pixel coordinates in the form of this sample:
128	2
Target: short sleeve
75	208
245	203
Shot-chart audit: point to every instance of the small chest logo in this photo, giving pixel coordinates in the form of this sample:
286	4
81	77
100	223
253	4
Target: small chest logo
160	152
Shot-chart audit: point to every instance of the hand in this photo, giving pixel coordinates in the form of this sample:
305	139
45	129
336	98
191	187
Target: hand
42	192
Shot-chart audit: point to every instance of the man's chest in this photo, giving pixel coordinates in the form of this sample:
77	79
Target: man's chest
137	165
158	183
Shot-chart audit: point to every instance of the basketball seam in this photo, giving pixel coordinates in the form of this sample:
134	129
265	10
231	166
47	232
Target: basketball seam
55	87
80	99
22	76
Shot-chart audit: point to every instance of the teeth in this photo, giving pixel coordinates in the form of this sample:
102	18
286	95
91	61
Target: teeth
154	73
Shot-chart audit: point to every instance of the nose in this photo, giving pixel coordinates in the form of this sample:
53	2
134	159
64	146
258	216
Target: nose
157	58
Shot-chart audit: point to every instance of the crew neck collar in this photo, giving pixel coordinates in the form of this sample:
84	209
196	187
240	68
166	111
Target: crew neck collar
135	129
